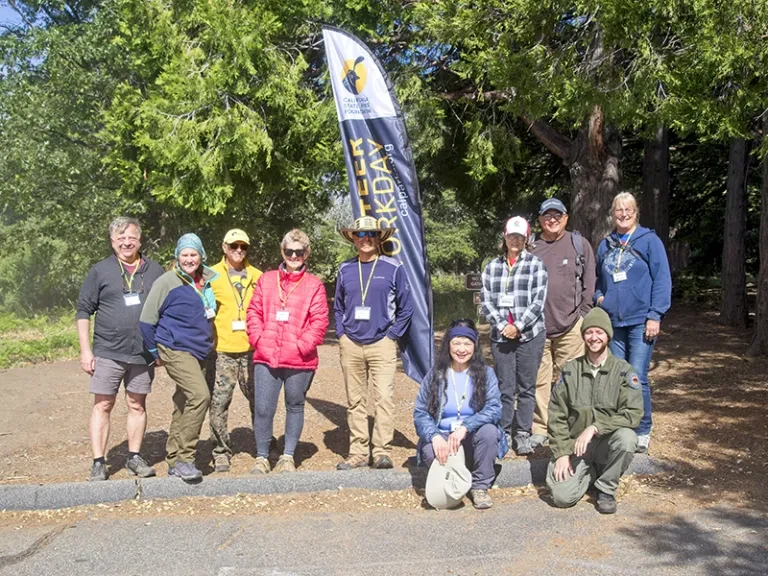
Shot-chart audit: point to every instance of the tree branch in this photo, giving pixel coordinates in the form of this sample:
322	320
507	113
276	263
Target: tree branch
472	95
555	142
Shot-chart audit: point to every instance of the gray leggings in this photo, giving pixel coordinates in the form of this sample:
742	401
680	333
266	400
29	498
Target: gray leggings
267	384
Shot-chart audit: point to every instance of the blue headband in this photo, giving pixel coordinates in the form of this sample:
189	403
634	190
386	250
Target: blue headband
464	331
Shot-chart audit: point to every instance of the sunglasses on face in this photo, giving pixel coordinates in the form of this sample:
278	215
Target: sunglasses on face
243	247
556	217
290	253
366	234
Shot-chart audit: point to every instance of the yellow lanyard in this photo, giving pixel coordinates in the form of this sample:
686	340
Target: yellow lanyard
280	289
622	247
367	284
456	392
194	287
129	281
240	304
510	267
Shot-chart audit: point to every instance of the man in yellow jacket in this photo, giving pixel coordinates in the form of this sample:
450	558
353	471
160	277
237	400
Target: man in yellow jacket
232	361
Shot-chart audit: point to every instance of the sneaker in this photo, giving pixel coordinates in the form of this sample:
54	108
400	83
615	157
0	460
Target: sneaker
354	461
480	499
186	471
606	503
98	472
139	467
522	444
643	440
285	464
539	440
221	463
383	463
261	466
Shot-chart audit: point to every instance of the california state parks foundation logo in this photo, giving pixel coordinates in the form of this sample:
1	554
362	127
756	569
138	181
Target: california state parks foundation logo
354	75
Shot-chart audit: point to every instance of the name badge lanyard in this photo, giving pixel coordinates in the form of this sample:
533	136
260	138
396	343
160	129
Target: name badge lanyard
459	404
622	247
202	296
368	283
241	303
129	281
284	299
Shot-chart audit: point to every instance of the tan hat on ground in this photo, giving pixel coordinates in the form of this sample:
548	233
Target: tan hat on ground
447	485
236	235
366	224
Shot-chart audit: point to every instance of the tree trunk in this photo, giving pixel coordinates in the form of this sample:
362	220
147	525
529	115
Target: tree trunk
654	212
733	299
594	162
760	339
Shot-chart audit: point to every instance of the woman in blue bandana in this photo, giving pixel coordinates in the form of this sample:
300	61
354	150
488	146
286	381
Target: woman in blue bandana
176	324
459	404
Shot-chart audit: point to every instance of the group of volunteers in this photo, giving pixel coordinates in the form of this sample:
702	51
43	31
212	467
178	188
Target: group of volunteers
557	313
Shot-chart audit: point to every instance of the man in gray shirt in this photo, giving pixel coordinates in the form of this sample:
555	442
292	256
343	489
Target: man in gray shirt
115	290
570	263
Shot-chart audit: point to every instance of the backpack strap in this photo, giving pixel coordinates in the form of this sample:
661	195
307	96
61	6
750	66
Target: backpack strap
613	243
578	245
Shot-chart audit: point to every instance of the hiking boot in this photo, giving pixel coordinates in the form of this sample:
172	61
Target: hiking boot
606	503
383	463
539	440
643	440
139	467
285	464
187	471
261	466
354	461
480	499
221	463
522	444
98	472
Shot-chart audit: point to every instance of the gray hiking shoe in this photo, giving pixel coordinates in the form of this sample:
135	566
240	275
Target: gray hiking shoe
186	471
643	441
522	444
261	466
98	472
354	461
221	463
139	467
539	440
606	503
285	464
480	499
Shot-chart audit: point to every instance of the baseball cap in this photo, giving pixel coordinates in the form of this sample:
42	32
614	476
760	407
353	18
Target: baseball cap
552	204
447	485
517	225
236	235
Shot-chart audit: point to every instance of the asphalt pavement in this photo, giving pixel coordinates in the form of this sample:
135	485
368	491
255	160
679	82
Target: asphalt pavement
526	537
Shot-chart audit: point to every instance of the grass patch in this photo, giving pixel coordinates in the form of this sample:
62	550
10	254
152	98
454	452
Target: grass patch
39	338
451	300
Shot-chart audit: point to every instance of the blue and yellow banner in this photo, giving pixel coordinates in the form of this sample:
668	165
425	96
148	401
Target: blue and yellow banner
382	176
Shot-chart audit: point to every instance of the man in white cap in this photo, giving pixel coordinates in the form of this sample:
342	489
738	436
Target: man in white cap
570	263
373	310
231	363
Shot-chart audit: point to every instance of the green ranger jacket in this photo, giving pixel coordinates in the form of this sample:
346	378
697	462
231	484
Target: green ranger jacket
609	401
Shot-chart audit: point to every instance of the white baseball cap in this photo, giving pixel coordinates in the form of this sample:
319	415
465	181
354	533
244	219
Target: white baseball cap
447	485
517	225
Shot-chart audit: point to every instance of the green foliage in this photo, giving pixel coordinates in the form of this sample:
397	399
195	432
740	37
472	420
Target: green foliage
451	300
38	338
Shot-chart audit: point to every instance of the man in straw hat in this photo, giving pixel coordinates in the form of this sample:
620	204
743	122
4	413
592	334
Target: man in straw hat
372	310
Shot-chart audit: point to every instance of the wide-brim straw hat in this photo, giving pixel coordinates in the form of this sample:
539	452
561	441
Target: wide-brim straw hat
366	224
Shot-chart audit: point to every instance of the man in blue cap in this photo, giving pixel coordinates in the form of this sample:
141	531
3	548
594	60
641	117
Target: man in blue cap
570	263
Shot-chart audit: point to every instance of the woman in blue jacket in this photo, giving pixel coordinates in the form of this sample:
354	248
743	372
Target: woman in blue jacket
459	404
634	287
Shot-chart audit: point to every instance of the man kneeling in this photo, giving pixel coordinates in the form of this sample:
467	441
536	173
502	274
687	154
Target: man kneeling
595	406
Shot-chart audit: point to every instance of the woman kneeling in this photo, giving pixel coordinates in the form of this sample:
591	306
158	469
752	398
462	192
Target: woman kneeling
459	404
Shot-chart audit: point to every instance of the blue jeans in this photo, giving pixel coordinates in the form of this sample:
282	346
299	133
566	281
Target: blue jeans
629	343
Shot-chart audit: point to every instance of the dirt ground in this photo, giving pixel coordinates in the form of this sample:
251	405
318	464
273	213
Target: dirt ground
709	421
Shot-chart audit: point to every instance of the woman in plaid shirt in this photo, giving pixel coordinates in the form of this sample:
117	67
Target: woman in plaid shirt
513	294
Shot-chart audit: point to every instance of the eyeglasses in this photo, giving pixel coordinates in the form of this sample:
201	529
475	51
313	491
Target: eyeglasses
627	211
556	217
236	246
290	253
366	234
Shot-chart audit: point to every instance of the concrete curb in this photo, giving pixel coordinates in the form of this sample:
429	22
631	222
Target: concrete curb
53	496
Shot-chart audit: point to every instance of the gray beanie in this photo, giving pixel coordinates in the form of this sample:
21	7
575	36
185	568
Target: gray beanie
190	241
597	318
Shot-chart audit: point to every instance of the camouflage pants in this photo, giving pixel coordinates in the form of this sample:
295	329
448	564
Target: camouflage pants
224	372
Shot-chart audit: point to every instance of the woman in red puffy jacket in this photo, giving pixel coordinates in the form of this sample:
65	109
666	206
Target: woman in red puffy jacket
286	321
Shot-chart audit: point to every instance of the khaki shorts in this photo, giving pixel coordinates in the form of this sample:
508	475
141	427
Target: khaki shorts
109	374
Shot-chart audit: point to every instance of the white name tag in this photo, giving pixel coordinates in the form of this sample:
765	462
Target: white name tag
238	325
565	261
507	301
282	315
210	313
132	299
619	276
455	426
362	313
